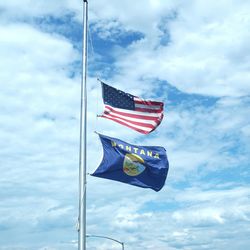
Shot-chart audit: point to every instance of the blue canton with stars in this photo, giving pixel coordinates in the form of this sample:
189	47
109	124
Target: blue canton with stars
117	98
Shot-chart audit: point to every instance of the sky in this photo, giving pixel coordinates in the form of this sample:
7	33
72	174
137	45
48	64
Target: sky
192	55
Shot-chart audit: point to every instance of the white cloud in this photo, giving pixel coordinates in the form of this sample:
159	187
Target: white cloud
207	54
15	10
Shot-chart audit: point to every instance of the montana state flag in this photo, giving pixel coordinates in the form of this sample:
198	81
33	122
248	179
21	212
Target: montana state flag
142	166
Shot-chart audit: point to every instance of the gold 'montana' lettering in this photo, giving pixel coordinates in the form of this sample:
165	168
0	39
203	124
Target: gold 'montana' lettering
150	153
136	150
157	156
142	152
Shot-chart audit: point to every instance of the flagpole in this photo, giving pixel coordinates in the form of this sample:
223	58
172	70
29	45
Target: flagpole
83	136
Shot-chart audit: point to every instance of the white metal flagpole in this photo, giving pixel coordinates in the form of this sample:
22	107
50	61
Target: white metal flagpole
83	136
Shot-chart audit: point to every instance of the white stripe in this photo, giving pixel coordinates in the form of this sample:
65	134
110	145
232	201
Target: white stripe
132	119
143	100
130	124
132	112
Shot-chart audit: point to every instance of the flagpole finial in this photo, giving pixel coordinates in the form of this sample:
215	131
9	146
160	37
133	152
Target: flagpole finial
99	80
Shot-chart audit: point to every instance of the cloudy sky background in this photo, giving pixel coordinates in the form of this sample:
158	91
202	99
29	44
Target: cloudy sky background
193	55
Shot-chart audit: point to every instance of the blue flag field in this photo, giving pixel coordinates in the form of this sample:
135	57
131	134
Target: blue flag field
142	166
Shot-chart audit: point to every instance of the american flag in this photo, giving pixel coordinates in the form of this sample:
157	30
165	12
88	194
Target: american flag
131	111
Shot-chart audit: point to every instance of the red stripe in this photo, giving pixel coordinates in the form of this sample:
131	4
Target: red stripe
123	123
148	110
133	122
150	103
144	117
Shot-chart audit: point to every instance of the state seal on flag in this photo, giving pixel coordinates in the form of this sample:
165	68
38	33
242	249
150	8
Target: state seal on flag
133	165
